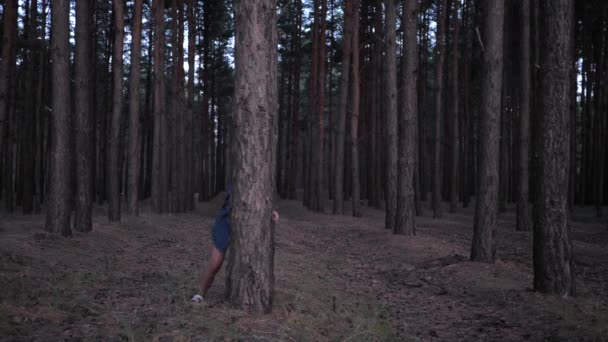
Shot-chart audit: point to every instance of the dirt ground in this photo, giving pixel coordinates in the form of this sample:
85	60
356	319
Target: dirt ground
337	279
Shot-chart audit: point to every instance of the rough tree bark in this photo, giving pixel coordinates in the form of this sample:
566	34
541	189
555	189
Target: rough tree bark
553	265
114	153
191	17
295	124
59	192
439	58
343	106
318	105
354	125
160	171
455	116
524	221
250	279
7	64
391	111
482	248
134	127
408	125
83	118
28	135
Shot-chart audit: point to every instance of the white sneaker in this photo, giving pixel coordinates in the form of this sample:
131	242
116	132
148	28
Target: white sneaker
198	299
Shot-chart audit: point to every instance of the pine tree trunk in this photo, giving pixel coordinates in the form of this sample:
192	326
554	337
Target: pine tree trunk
423	150
468	158
7	65
375	99
573	139
523	208
408	125
206	132
114	153
40	122
148	127
343	106
492	71
391	111
59	194
191	17
439	58
295	124
599	117
354	126
105	84
454	181
29	115
160	185
503	162
84	180
134	149
553	265
250	280
319	109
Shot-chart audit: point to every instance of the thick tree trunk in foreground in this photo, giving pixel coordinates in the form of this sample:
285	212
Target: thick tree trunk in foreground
59	194
343	103
553	266
439	58
114	153
84	197
524	221
250	280
487	199
408	123
391	112
134	129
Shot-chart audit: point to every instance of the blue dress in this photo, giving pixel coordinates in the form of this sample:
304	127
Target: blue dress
221	227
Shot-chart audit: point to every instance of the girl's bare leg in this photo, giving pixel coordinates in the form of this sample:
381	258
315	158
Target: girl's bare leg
206	279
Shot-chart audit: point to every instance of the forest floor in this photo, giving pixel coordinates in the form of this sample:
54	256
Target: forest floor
338	278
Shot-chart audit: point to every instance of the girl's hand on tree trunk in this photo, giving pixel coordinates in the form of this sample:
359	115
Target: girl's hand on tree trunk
275	217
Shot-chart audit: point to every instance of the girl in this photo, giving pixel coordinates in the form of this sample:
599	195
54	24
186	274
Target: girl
221	241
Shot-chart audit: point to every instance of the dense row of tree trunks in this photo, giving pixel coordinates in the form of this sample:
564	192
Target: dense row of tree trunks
483	248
